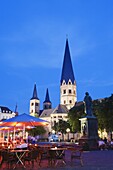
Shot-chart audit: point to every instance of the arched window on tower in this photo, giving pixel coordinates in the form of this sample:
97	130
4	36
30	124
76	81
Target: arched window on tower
70	101
70	91
64	91
69	82
36	104
63	83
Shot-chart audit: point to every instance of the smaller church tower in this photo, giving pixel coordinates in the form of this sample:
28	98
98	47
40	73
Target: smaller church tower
47	103
68	93
34	103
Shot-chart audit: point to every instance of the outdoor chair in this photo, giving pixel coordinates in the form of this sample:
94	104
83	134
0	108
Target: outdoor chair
7	158
60	157
31	157
43	154
76	154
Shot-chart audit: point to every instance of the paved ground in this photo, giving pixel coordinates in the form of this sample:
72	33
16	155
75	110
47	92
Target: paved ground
93	160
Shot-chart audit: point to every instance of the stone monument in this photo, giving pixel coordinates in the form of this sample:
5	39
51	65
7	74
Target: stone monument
89	125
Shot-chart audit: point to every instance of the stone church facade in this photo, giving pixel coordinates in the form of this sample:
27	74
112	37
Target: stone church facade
68	95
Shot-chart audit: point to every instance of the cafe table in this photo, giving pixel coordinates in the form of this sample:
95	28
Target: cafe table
19	155
57	153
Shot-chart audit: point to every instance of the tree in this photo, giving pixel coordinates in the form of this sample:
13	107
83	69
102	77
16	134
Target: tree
38	130
74	115
61	126
103	109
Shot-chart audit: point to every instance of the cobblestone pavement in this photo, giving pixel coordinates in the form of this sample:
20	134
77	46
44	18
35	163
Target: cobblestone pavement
93	160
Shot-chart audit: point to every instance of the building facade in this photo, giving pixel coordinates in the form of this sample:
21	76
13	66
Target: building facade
6	113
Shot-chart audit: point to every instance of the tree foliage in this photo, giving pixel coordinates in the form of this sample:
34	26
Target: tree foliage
74	115
102	109
61	126
38	130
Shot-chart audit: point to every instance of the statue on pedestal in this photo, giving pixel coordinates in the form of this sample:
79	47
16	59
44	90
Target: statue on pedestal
88	104
89	126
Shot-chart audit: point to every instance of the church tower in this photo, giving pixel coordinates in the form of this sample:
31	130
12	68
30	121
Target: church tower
34	103
47	103
68	93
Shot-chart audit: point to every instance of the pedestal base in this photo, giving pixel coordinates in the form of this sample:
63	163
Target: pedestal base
88	143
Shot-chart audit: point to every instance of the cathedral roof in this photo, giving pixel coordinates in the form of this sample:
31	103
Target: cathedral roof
67	69
35	96
46	112
59	109
47	99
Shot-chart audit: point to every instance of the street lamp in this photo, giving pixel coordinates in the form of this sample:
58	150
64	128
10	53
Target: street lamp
53	131
68	130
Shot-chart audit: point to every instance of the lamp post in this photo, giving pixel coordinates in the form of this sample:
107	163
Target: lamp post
68	130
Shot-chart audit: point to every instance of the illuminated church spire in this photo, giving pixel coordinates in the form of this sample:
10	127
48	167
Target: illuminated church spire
35	103
68	95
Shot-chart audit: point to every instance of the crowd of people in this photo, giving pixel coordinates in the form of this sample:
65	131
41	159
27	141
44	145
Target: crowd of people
105	144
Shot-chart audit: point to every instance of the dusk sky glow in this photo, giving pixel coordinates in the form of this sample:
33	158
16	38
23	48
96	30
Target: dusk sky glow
32	44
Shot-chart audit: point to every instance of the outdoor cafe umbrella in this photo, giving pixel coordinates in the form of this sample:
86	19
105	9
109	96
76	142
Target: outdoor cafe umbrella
24	120
8	129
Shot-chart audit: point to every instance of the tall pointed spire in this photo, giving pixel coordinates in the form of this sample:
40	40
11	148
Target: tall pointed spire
35	96
47	103
34	103
68	93
47	99
67	69
16	111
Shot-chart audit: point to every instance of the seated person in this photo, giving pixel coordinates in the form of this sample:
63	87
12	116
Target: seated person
22	144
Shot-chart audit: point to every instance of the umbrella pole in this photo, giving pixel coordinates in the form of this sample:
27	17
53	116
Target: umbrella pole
8	136
24	131
14	134
0	136
3	136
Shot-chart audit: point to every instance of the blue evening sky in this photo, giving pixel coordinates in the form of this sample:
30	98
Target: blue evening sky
32	42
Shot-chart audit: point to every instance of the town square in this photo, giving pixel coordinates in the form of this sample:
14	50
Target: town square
56	90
